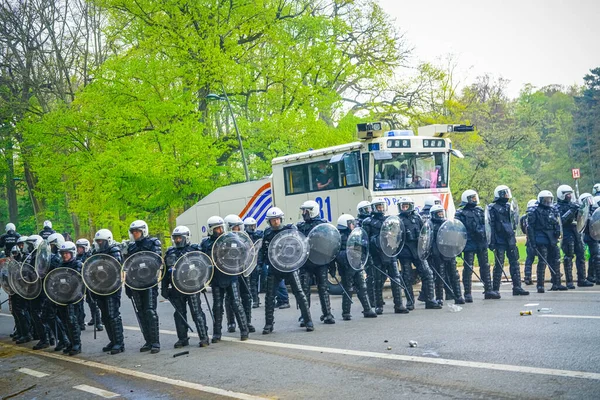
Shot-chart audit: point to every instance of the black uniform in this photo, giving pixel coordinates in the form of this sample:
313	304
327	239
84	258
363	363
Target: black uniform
46	232
274	276
473	218
594	248
220	285
256	274
20	312
369	270
180	300
529	251
351	278
445	267
146	300
543	231
109	307
319	272
69	315
409	256
381	262
572	244
503	242
8	240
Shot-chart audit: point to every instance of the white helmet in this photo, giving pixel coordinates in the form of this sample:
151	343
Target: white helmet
83	243
313	208
502	192
181	231
214	222
563	191
406	200
34	241
435	210
21	239
545	198
363	208
48	224
344	221
68	247
15	251
10	227
274	213
377	201
106	236
250	224
531	203
233	220
596	189
469	197
138	225
432	200
56	239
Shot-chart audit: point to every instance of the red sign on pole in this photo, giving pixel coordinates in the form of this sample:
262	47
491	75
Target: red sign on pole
575	173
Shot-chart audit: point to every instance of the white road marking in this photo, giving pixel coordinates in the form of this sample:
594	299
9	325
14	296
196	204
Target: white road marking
139	374
32	372
532	290
399	357
97	391
569	316
531	305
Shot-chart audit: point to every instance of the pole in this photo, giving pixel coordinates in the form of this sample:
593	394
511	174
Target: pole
237	131
471	268
577	187
180	315
343	289
501	266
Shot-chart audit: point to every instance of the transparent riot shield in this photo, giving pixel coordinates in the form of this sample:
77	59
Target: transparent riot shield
254	257
143	270
28	291
43	258
451	238
425	244
324	242
357	249
4	276
102	275
595	225
391	236
64	286
584	214
288	250
231	253
192	272
488	225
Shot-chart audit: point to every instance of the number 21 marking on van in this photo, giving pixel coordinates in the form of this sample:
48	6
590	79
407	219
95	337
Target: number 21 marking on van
319	200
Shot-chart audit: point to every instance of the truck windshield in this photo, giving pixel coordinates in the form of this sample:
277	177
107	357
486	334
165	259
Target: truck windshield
411	171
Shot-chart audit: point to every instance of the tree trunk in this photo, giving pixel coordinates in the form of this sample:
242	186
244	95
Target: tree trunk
11	189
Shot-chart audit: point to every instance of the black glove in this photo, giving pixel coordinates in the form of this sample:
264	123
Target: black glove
165	292
332	269
492	246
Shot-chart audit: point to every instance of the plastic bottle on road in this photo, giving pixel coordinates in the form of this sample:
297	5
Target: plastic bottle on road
545	310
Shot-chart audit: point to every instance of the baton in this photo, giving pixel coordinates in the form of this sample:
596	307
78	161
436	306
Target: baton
208	305
4	302
471	268
501	266
135	310
447	286
406	291
389	277
546	261
343	289
180	315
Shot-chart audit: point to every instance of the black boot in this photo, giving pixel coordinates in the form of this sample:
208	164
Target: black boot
116	325
230	315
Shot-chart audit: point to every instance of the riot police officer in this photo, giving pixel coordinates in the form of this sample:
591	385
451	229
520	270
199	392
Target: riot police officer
473	218
84	251
363	210
311	218
409	255
543	231
18	305
445	267
235	224
255	276
49	308
382	262
145	300
593	246
47	230
274	218
503	241
110	305
572	244
222	284
350	276
180	238
528	249
69	313
9	239
430	201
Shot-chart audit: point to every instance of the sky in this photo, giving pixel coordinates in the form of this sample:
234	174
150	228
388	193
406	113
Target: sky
540	42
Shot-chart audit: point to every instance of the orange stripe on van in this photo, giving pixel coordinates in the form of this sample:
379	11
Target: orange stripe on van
258	192
446	199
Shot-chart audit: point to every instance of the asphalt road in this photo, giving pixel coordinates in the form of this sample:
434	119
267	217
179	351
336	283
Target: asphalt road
487	350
